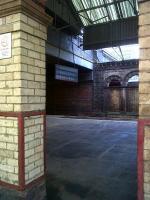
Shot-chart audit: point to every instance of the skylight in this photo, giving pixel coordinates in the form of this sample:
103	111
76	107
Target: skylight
126	52
101	11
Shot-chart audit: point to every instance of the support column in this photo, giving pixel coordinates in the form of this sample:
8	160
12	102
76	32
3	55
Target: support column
144	103
22	99
98	87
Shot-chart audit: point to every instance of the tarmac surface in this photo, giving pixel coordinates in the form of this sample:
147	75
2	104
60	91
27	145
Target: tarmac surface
89	159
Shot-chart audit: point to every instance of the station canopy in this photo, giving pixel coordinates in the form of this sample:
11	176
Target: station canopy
102	11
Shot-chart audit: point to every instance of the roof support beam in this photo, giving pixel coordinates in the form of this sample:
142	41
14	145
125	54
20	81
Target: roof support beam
114	33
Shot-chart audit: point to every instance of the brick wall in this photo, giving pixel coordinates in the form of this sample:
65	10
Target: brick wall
9	150
22	86
103	73
69	98
34	148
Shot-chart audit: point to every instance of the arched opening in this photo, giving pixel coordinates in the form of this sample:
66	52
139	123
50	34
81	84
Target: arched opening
133	81
112	95
114	83
132	93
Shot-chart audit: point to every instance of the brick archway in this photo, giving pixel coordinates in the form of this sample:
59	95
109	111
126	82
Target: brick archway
111	78
128	76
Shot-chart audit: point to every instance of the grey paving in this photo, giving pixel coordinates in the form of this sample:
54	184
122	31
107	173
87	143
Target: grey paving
91	159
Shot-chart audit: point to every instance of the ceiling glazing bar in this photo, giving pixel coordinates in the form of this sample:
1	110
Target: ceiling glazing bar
99	19
117	9
87	13
120	56
121	53
133	7
106	7
119	6
100	6
112	57
90	21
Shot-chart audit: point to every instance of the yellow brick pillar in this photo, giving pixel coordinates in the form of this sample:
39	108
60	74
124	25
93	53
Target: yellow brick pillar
23	32
144	103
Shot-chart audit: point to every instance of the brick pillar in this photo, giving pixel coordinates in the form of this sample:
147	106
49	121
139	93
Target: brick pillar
144	103
98	97
22	99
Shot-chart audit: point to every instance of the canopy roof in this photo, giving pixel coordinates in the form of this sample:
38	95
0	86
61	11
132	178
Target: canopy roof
101	11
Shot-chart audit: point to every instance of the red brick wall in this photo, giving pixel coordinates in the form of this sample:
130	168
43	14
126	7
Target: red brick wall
65	98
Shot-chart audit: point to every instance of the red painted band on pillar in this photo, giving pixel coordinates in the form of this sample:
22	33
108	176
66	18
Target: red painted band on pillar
141	125
45	139
140	160
24	114
21	150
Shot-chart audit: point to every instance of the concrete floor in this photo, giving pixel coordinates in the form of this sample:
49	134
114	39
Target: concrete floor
90	159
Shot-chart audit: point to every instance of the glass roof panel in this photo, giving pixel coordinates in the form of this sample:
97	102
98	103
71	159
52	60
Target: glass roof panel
123	52
100	11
